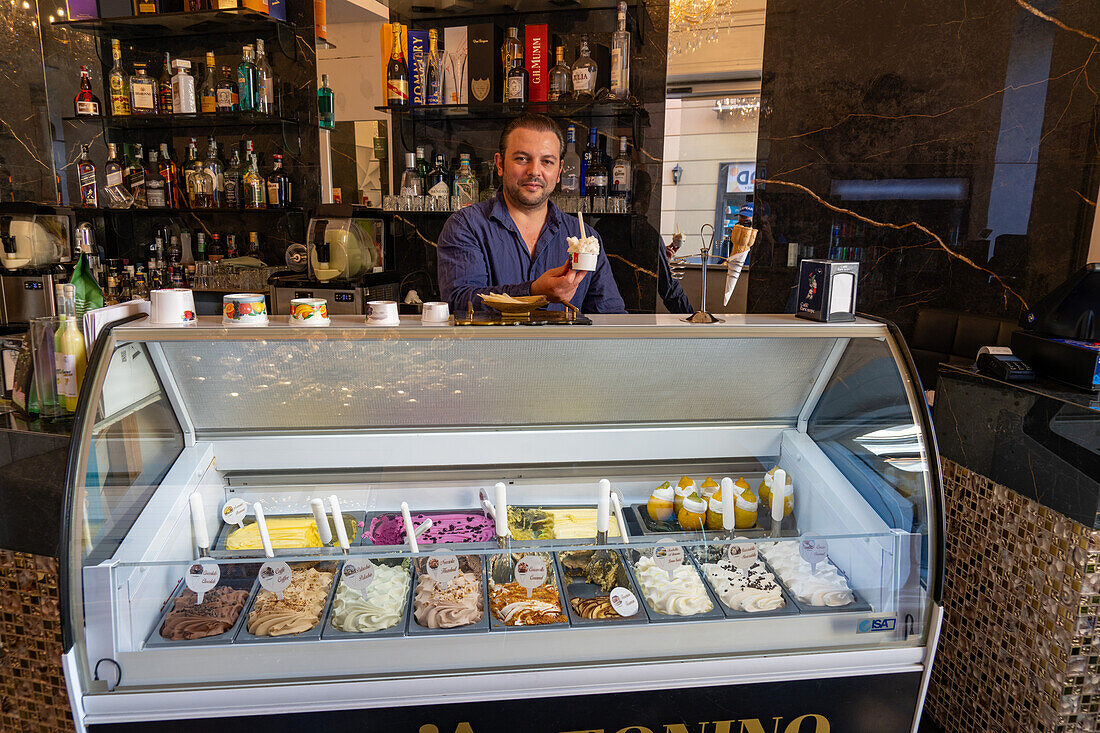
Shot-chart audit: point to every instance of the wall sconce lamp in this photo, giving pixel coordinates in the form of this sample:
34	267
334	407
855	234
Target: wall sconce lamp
677	171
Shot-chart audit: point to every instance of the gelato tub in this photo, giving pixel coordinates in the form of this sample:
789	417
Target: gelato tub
381	612
448	527
459	606
584	252
290	535
557	523
683	596
826	590
183	623
510	609
587	598
754	593
298	616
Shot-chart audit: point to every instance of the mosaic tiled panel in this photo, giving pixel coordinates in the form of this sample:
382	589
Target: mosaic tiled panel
1020	647
32	688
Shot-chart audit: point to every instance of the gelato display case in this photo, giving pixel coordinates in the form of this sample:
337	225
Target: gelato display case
409	528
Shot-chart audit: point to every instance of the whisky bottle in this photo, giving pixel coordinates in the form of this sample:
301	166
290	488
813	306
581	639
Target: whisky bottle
516	86
584	73
509	50
253	186
118	84
434	83
143	92
85	174
134	176
232	181
561	79
191	168
208	94
397	73
278	185
620	57
86	103
156	190
167	169
226	96
265	82
164	88
247	85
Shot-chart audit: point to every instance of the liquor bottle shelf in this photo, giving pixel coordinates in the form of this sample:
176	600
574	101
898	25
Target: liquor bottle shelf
202	119
499	110
182	212
158	25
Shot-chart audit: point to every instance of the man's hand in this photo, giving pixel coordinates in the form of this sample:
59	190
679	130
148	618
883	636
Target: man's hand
558	284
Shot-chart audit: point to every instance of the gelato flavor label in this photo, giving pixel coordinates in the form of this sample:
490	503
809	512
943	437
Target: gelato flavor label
275	577
668	557
202	576
742	556
623	601
234	511
358	575
813	550
530	572
442	566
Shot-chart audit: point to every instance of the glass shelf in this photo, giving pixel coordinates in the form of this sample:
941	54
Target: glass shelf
205	119
498	111
181	212
239	20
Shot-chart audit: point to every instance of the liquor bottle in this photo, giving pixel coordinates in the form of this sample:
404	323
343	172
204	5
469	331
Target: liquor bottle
134	176
118	84
595	179
226	96
412	183
164	88
278	185
232	182
86	103
584	73
561	78
264	96
515	89
254	245
247	84
175	252
140	284
620	57
621	172
200	247
509	50
144	7
216	168
183	89
434	84
422	166
397	73
208	94
252	183
115	192
156	190
191	168
230	246
591	154
155	256
110	290
167	169
465	185
439	186
215	253
326	109
71	356
204	188
571	166
143	92
85	174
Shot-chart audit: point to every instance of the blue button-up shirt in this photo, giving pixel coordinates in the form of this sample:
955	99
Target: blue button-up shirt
482	251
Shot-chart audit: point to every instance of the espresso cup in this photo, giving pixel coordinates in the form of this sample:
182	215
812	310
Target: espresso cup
435	312
382	313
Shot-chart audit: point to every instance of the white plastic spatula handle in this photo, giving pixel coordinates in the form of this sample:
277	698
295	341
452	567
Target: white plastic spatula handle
487	505
410	532
779	494
603	505
261	522
319	516
424	527
198	522
615	502
500	492
338	522
729	501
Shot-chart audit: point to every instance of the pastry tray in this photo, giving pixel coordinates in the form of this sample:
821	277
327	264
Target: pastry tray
581	589
714	614
640	516
567	542
398	629
156	641
244	637
790	608
415	629
369	517
351	522
496	624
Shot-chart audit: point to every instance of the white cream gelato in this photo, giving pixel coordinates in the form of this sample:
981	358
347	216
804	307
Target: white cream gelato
749	590
588	245
682	595
826	587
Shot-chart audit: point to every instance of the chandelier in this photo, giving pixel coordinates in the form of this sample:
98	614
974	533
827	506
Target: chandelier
695	23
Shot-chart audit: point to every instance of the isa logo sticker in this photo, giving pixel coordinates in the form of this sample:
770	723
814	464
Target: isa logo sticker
868	625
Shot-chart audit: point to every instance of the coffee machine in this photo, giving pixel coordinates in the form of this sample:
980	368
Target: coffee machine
35	243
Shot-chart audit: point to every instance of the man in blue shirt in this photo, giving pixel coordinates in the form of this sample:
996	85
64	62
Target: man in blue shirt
515	242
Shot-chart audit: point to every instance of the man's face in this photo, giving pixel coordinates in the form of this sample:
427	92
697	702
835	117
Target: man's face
530	167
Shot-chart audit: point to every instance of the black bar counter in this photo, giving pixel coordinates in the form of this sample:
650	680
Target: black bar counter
33	459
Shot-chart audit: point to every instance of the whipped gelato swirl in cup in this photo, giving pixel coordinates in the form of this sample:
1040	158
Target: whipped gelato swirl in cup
583	252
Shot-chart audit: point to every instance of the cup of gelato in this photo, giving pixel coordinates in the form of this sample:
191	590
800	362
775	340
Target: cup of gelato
584	252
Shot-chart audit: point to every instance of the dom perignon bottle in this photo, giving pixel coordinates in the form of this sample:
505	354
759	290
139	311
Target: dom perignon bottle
252	183
584	73
86	103
326	110
143	92
620	57
247	85
118	84
511	48
621	173
226	96
561	78
278	185
397	73
208	94
85	173
516	86
571	167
